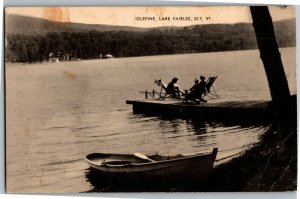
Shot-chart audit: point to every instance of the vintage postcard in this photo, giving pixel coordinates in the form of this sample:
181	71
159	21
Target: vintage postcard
150	99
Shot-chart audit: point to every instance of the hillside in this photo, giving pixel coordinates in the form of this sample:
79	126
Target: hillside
16	24
30	40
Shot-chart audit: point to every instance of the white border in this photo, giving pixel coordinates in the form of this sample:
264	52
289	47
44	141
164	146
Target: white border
143	2
217	195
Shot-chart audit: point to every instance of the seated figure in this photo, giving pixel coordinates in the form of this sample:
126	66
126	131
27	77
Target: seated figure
197	91
173	89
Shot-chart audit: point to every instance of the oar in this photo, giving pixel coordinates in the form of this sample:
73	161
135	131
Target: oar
142	156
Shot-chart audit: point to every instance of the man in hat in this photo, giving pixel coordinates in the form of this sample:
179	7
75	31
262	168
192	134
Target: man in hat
195	86
193	95
198	89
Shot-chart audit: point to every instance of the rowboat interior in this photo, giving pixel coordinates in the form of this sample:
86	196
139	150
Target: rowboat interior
124	159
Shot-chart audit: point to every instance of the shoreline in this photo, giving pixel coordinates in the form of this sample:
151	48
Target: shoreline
191	53
270	165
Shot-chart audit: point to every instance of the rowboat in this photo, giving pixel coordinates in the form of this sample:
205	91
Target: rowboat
197	166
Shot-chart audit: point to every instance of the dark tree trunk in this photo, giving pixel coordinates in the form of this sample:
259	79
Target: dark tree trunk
269	53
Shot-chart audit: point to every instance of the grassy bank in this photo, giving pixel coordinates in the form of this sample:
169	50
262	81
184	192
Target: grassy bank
269	166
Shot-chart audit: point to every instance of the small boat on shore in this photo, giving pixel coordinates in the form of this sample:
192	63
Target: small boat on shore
153	166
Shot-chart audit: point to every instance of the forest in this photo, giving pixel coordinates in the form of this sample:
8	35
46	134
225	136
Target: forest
159	41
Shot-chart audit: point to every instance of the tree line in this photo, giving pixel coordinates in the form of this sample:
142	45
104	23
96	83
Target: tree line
160	41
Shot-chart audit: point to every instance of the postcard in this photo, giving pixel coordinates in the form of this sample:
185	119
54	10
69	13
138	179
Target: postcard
150	99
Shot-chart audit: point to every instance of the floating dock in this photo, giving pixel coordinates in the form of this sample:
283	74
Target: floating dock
251	111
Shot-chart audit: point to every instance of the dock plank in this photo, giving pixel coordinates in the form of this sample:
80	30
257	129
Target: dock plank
229	110
228	104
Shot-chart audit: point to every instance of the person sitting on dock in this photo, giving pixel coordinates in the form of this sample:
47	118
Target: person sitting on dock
202	89
198	89
173	89
193	91
195	86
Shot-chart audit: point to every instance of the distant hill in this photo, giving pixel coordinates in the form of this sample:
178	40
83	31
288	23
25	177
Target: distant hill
31	39
286	32
16	24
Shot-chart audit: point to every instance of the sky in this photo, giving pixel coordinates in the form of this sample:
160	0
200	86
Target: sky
150	16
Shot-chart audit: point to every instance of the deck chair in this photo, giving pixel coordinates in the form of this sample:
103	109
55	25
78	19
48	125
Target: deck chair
209	85
163	90
162	94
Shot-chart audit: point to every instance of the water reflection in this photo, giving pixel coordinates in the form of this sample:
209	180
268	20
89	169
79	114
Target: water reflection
191	135
196	134
101	182
169	135
199	127
172	126
105	183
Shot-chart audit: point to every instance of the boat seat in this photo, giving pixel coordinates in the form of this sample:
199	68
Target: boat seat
117	162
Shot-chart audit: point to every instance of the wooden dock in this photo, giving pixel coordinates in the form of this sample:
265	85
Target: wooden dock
251	111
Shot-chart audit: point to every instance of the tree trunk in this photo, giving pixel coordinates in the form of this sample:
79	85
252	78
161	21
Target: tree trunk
269	53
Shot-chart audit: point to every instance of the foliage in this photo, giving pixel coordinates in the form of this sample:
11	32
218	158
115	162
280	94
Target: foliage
159	41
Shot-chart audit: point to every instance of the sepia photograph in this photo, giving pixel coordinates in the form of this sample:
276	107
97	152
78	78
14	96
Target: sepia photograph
150	99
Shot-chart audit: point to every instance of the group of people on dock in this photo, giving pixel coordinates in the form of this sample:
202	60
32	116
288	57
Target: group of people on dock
195	93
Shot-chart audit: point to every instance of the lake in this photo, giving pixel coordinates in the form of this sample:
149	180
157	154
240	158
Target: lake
56	113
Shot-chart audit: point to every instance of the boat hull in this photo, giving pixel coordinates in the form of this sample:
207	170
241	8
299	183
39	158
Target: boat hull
191	167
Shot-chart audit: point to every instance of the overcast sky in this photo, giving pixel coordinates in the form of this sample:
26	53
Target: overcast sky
130	16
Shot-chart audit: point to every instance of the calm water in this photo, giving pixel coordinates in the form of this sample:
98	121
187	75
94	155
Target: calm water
57	113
